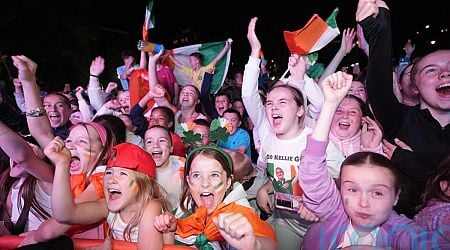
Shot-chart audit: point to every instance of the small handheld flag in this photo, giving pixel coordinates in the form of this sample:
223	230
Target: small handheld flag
315	35
149	22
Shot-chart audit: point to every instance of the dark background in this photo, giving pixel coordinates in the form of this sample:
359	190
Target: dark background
64	36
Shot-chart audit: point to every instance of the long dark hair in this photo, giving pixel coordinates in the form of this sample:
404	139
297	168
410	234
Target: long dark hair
433	190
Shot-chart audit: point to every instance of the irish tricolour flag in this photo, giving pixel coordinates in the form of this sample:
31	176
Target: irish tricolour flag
315	35
209	51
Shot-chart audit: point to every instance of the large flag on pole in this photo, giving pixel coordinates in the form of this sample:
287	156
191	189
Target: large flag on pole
315	35
149	21
209	51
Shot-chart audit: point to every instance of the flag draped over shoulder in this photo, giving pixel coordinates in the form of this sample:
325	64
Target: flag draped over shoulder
315	35
149	21
209	51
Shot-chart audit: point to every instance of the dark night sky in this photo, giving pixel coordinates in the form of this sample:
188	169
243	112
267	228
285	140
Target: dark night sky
112	27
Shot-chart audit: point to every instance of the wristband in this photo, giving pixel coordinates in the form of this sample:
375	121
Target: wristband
93	75
36	112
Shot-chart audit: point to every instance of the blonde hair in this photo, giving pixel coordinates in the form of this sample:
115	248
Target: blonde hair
148	190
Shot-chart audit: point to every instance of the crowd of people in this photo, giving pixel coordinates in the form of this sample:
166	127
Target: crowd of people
339	160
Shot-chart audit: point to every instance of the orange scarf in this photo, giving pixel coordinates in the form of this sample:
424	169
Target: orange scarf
78	185
200	223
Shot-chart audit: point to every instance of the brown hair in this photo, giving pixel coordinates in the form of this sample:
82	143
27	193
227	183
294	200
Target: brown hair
210	153
106	149
433	189
296	95
370	158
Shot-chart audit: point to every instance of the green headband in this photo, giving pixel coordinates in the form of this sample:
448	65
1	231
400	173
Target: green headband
225	154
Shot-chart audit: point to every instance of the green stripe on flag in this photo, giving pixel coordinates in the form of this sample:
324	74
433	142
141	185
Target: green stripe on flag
209	51
149	16
331	20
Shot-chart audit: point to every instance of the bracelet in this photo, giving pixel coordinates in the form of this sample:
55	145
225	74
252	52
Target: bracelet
93	75
36	112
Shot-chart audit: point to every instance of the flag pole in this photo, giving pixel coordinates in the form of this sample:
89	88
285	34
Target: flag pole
284	74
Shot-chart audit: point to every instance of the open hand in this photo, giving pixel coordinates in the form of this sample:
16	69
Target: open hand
371	134
97	66
255	44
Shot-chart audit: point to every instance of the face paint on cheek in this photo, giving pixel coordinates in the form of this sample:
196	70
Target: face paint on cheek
133	186
346	201
219	187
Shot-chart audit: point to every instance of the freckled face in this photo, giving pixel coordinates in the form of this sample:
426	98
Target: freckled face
207	182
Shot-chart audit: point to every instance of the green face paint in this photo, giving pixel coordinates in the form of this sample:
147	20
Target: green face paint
218	185
131	183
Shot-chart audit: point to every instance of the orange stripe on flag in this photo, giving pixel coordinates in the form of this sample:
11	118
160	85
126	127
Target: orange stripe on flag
301	41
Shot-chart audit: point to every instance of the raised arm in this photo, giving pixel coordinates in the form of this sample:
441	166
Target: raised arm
84	107
95	93
348	36
18	94
222	52
321	195
65	210
22	154
250	95
374	18
310	90
152	74
37	119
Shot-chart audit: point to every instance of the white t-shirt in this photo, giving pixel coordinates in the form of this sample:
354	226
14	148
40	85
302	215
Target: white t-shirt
117	226
171	178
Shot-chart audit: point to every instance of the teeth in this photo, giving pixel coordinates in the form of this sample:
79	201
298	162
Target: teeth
276	116
113	190
445	85
205	193
344	123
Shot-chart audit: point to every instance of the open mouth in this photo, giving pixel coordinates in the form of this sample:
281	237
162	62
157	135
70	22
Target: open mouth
74	163
114	194
207	198
157	155
443	89
344	125
54	117
276	119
